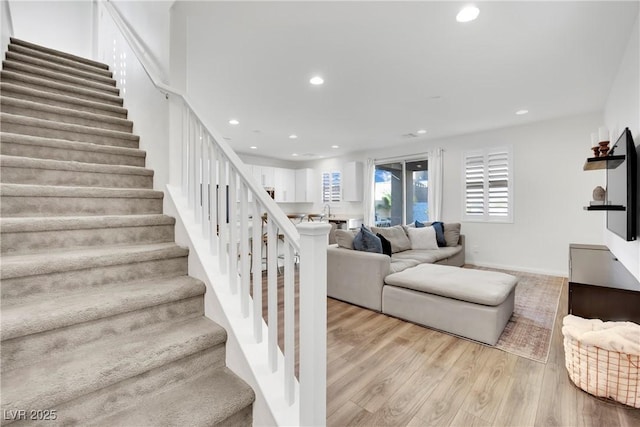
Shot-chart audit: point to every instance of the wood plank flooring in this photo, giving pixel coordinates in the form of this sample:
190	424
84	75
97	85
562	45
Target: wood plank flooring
382	371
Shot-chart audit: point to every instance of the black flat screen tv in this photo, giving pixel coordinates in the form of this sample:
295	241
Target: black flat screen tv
622	181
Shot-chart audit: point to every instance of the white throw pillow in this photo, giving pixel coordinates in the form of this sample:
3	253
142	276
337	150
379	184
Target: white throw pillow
423	238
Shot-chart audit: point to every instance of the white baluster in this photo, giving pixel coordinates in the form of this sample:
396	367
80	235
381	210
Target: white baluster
289	324
185	149
233	232
223	216
213	199
272	292
244	251
192	163
256	260
313	323
205	188
197	189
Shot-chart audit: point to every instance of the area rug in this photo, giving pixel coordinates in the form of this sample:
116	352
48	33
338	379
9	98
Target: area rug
528	332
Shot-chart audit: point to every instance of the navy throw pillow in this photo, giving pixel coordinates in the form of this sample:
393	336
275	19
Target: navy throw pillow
418	224
439	227
366	241
386	245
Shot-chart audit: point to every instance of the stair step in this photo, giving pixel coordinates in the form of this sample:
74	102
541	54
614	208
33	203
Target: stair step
24	170
50	129
20	200
64	101
59	88
54	326
32	276
17	106
18	42
57	381
57	149
214	399
55	76
72	70
34	235
59	60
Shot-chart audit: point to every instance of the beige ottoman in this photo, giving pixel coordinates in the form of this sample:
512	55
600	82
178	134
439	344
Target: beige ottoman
475	304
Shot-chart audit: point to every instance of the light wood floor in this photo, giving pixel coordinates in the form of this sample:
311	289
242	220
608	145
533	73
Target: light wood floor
382	371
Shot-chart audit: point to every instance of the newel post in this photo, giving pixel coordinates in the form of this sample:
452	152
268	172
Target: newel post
313	323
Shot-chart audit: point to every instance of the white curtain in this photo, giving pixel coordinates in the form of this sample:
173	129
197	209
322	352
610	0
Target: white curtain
369	213
435	184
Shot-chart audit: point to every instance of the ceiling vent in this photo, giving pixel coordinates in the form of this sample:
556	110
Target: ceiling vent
410	135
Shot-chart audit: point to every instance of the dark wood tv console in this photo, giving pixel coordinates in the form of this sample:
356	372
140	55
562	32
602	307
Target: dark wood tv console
600	287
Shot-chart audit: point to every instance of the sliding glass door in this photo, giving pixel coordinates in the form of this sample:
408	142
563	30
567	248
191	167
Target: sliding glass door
400	192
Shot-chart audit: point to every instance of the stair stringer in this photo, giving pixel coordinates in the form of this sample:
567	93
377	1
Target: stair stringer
247	359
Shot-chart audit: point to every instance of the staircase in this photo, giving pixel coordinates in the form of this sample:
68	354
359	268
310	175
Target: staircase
101	325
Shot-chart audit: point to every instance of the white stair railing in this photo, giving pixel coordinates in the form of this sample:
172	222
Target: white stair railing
241	221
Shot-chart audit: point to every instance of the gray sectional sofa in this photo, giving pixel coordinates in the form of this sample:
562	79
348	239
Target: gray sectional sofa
422	285
358	277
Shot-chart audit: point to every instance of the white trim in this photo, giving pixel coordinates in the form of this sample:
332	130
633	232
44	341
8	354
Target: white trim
555	273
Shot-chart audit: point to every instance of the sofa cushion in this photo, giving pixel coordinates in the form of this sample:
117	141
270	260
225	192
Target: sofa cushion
396	235
423	238
398	265
386	245
418	255
438	226
344	238
366	241
477	286
452	233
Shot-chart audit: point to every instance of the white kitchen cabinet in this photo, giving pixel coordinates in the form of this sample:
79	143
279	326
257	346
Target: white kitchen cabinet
285	185
264	175
305	186
352	182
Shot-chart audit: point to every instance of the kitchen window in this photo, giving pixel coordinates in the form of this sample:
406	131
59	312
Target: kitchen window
331	187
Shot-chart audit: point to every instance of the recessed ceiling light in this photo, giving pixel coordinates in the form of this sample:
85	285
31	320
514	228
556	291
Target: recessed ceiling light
293	136
234	122
317	80
422	131
468	13
253	147
335	146
295	154
521	112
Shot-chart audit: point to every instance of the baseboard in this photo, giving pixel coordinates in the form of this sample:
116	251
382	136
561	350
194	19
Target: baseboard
520	268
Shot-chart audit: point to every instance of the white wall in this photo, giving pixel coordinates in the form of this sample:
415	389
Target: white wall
623	110
148	107
550	190
6	25
61	25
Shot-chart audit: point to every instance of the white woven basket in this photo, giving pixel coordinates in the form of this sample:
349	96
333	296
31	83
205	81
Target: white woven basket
603	373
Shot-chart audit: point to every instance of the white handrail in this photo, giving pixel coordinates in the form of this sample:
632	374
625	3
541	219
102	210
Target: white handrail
216	186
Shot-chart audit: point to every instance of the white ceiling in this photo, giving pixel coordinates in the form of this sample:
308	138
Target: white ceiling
391	68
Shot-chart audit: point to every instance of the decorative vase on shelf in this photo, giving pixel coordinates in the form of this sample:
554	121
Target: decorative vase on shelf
599	195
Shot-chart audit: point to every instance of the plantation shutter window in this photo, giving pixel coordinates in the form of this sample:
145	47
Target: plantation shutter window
488	194
331	187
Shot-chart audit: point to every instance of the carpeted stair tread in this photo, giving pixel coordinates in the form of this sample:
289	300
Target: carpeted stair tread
79	132
61	165
54	66
58	60
207	400
23	235
63	115
85	258
59	77
24	92
17	225
54	52
21	190
58	87
94	152
69	309
62	379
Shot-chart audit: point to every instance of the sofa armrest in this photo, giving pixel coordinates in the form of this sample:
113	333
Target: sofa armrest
356	277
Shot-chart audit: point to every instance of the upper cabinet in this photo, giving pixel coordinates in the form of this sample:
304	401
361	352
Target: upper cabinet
352	182
264	175
304	186
285	185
